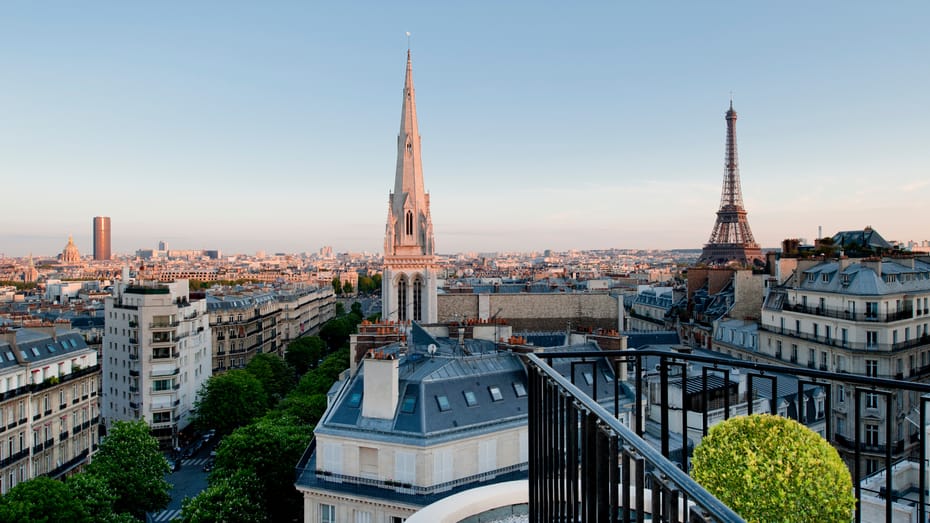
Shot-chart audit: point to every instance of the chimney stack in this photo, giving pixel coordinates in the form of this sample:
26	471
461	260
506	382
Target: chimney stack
381	385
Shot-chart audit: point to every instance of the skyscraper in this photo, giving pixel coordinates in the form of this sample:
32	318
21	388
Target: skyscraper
101	238
731	240
410	267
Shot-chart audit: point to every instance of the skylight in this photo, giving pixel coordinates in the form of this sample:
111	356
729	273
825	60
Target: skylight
588	378
35	351
443	403
9	356
51	348
519	389
355	399
409	404
470	399
495	393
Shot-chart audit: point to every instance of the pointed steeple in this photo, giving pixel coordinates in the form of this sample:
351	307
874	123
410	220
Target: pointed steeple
409	222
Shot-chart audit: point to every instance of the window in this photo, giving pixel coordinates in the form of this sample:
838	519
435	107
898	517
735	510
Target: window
794	353
871	401
362	516
778	349
470	399
871	368
871	434
811	276
825	277
495	393
405	466
841	394
519	389
159	385
355	399
844	336
588	378
327	513
368	462
871	310
871	339
161	417
397	519
443	403
409	404
402	299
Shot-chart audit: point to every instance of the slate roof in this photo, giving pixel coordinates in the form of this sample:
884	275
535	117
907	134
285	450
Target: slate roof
862	280
35	347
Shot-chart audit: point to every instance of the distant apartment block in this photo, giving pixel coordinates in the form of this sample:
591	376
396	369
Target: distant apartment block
304	310
157	353
49	410
243	324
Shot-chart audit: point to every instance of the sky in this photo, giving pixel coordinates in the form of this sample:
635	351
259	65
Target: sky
271	126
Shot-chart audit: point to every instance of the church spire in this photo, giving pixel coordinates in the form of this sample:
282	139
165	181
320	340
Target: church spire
411	230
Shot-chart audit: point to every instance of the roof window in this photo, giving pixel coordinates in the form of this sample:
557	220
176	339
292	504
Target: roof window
51	348
355	399
443	403
35	351
519	389
495	393
589	378
470	399
409	404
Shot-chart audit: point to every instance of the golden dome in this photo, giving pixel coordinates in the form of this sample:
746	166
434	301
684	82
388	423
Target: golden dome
70	254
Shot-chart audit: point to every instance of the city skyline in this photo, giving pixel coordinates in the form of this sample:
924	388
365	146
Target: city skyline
239	128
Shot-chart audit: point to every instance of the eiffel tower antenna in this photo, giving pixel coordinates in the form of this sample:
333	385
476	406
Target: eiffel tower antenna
731	240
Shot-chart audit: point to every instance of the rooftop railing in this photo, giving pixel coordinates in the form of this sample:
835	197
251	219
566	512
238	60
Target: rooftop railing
586	466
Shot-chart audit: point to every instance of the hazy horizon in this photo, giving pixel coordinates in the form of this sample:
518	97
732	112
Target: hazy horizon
245	128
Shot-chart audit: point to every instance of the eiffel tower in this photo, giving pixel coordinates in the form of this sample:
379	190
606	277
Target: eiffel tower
731	240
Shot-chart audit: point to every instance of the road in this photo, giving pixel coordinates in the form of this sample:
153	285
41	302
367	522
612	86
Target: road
188	481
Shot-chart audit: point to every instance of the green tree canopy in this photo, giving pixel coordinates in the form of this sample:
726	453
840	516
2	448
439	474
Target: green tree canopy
337	285
347	287
304	353
356	309
308	408
275	375
268	449
228	401
769	468
131	464
94	494
231	499
41	499
366	284
336	332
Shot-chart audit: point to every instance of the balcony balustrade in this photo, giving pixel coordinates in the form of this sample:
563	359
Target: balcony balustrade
587	466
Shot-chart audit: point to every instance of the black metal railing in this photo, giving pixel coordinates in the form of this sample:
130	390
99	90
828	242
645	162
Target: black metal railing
830	312
570	433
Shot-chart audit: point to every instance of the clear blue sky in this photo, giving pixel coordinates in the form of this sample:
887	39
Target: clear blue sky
272	126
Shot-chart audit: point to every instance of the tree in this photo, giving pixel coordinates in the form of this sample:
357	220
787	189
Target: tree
304	353
228	401
337	285
275	375
347	287
366	284
356	308
230	499
41	499
267	449
770	468
308	408
133	468
94	494
336	332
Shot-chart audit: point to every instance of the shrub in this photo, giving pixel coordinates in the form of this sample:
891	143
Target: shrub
769	468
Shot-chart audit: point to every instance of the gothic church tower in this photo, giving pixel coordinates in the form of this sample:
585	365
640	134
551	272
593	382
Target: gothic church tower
408	287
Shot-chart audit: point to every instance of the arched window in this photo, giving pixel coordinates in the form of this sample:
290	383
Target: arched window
402	298
409	223
417	299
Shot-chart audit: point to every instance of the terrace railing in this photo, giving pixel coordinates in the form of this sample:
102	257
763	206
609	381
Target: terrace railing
584	465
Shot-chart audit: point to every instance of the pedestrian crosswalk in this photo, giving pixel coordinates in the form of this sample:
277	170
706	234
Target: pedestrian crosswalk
165	515
194	462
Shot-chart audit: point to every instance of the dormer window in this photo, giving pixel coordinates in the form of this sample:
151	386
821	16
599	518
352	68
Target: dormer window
811	277
825	277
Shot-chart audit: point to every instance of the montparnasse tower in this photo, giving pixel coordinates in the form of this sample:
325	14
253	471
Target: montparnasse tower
410	267
731	240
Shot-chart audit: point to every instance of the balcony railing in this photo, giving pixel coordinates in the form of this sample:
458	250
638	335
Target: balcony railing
586	465
829	312
870	347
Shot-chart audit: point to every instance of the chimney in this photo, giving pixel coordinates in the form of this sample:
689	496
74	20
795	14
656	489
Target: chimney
381	385
9	336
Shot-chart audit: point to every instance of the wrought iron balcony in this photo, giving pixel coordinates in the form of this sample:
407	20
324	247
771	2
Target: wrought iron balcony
585	465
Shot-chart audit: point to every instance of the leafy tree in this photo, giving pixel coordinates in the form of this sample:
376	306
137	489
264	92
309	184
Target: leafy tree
231	499
276	376
337	285
356	309
267	449
347	287
304	353
770	468
133	468
340	309
319	380
336	332
41	500
308	408
94	494
230	400
366	284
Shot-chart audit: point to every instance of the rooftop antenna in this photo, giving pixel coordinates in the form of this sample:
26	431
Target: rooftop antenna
408	41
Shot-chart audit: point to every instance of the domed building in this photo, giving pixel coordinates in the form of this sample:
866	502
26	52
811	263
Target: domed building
70	254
